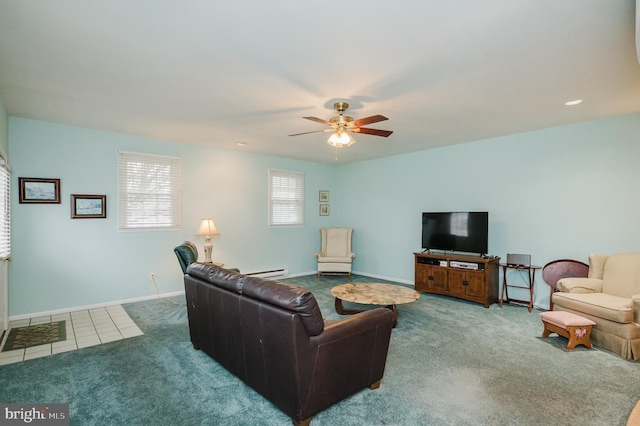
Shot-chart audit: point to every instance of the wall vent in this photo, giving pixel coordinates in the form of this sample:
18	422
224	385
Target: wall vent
271	273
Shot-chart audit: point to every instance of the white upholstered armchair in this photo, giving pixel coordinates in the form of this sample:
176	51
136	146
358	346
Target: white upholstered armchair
335	256
610	297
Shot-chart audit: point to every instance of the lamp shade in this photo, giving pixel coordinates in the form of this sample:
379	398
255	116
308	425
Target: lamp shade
207	228
341	138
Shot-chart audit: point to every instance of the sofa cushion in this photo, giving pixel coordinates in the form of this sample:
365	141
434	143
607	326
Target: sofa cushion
596	265
334	259
613	308
565	319
221	277
622	275
287	296
338	242
334	267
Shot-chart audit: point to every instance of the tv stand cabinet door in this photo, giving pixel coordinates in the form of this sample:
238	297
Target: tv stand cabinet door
422	277
469	285
457	283
431	279
439	279
476	287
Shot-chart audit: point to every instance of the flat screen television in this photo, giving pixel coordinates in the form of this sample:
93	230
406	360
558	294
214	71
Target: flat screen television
456	231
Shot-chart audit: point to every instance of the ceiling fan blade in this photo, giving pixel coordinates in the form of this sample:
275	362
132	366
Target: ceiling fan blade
376	132
318	120
313	131
369	120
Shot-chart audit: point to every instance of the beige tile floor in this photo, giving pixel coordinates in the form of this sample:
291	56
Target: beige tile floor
84	328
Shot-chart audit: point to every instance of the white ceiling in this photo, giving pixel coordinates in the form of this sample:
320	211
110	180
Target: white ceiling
217	73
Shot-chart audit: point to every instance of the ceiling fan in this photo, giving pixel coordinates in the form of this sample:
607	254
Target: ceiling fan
341	126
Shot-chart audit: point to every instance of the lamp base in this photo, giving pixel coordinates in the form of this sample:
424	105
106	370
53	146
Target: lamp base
208	250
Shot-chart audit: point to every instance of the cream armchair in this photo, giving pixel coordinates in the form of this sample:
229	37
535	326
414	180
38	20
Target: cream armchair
610	297
335	255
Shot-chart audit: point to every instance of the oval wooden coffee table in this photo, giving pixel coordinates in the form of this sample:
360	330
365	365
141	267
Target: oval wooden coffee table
387	295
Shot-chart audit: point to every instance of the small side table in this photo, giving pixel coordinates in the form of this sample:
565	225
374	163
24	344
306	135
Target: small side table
531	277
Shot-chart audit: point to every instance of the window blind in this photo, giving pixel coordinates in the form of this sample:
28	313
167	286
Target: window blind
286	198
149	191
5	222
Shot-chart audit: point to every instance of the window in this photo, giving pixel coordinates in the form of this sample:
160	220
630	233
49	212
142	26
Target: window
286	198
5	222
149	191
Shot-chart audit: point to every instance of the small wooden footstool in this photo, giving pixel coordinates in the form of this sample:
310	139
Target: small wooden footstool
574	327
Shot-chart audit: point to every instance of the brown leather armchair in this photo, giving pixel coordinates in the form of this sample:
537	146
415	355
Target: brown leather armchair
272	336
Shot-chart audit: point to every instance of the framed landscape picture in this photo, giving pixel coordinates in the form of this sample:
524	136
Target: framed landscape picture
39	191
324	196
88	206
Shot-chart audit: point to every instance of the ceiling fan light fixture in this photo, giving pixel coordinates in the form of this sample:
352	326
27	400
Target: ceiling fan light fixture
340	139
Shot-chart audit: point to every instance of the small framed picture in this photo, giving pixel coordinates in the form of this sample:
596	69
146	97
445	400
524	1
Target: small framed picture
324	196
88	206
39	191
324	209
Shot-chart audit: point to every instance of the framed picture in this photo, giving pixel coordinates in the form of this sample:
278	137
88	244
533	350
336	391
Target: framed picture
324	196
324	209
88	206
39	191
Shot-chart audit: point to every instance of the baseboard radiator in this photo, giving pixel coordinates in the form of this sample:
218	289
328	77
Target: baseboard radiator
270	274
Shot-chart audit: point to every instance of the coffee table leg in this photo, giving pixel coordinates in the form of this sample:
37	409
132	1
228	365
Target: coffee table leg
342	311
395	314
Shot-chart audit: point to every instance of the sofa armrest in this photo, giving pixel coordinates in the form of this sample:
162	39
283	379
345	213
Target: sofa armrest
349	355
635	305
580	285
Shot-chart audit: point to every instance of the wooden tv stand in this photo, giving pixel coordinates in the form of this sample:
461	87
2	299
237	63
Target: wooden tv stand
438	274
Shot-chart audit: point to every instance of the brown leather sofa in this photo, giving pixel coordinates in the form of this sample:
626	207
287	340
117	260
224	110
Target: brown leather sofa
272	336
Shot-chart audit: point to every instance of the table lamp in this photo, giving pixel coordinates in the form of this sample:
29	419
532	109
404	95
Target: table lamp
206	230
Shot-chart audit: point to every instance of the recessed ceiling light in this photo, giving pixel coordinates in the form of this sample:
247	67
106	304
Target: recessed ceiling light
574	102
241	143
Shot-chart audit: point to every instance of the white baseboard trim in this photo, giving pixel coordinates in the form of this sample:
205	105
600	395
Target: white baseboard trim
97	305
302	274
364	274
382	277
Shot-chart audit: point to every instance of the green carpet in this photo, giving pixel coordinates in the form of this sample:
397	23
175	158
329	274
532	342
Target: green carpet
35	335
450	363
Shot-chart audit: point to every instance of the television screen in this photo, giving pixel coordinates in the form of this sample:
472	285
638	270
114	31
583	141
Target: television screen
456	231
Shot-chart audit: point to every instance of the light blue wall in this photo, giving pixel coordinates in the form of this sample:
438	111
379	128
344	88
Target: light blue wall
557	193
562	192
59	262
